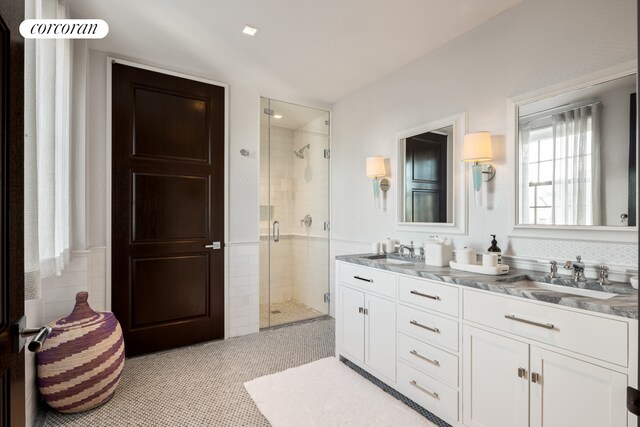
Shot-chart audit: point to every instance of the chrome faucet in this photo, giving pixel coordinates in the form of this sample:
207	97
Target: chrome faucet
410	248
603	275
578	269
553	270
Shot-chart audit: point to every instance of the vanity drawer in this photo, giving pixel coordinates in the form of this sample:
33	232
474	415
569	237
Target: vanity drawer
369	279
428	327
601	338
427	294
429	393
428	359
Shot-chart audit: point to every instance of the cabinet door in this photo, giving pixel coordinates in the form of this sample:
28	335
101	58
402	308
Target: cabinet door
571	392
496	393
352	323
380	330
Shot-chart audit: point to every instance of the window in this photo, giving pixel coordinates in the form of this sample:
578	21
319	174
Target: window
557	169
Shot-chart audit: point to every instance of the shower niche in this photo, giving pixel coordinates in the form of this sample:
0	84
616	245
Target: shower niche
294	211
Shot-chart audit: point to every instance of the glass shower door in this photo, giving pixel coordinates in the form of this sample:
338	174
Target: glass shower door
294	213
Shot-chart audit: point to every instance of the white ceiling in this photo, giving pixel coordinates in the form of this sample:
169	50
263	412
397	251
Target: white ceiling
308	49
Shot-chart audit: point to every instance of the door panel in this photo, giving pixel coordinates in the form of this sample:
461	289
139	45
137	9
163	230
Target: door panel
153	283
352	333
164	119
155	216
493	393
168	204
12	387
573	392
381	335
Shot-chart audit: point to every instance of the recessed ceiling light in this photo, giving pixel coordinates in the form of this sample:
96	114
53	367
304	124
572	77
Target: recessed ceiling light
277	116
250	31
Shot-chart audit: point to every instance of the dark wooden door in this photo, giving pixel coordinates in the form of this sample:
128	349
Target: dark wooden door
168	205
426	178
12	401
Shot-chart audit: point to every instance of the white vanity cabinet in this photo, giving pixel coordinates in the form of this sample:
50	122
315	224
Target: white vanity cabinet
482	359
367	322
521	374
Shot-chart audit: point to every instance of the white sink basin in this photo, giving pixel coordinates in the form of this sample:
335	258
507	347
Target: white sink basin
566	289
396	261
388	260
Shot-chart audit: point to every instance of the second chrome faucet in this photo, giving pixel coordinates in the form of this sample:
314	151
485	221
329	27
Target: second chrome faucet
578	269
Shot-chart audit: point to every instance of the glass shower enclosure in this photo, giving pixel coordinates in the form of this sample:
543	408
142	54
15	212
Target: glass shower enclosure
294	213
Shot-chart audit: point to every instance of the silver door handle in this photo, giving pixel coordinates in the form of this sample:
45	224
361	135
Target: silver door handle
276	231
214	245
529	322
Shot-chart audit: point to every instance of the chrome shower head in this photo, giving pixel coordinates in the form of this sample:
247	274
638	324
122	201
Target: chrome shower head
300	151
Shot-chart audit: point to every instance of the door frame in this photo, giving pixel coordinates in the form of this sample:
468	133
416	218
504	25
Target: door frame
110	61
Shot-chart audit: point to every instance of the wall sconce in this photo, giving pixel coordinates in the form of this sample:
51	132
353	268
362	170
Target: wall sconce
375	169
476	148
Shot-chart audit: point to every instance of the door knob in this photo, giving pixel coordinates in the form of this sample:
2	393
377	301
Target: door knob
19	332
39	336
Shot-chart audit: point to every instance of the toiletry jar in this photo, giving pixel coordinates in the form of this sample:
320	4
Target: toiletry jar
465	256
437	254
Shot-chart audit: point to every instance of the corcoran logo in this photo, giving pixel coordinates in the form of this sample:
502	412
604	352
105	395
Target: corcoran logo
64	29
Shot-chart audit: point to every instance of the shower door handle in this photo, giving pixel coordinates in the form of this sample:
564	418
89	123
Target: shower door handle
276	231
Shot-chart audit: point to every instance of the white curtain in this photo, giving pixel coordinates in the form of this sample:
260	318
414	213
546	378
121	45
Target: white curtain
48	65
577	181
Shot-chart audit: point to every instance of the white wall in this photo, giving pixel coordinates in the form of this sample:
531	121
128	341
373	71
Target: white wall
536	44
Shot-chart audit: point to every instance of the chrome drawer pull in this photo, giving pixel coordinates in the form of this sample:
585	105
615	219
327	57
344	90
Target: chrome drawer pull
424	390
436	330
529	322
363	279
436	297
426	359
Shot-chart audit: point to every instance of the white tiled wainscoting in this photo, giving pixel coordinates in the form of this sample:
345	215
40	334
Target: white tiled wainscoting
86	272
244	289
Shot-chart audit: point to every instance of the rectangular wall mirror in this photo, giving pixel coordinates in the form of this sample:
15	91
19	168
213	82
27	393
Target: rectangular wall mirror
428	176
429	185
576	157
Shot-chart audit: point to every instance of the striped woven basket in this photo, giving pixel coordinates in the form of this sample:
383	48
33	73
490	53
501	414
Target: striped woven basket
80	363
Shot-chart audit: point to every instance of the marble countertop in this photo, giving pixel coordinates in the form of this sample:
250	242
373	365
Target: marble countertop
625	304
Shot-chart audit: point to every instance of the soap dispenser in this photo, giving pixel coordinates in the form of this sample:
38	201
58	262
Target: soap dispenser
495	249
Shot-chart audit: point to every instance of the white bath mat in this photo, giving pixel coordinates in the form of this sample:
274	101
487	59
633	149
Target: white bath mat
327	393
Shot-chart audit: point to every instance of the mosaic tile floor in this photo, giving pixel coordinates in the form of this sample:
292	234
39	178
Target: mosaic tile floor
202	385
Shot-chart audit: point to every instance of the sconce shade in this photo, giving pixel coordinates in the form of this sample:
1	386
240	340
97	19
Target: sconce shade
477	147
375	167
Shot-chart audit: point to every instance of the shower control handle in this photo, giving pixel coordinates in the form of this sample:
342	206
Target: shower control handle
276	231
